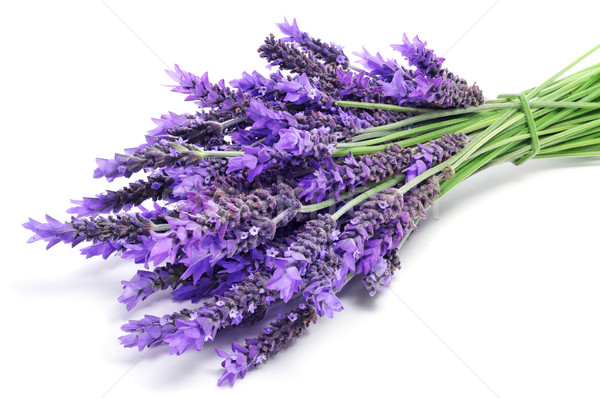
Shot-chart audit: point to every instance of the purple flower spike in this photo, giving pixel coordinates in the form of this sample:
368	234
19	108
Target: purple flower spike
309	245
104	249
204	129
266	123
52	232
380	276
149	331
328	53
126	226
150	157
435	152
203	92
243	303
380	259
416	54
192	332
288	56
280	333
155	187
145	283
321	276
188	83
377	65
331	179
354	244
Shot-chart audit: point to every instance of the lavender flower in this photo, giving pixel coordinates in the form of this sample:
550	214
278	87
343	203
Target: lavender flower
447	91
328	53
331	179
344	124
399	88
379	117
165	153
308	245
323	82
331	83
105	248
243	303
427	86
299	90
288	56
193	186
279	334
318	82
321	276
204	93
205	129
259	214
378	260
229	225
417	55
97	229
380	276
256	86
208	285
359	87
145	283
367	219
155	187
436	152
317	143
149	331
378	66
256	160
267	123
287	281
294	148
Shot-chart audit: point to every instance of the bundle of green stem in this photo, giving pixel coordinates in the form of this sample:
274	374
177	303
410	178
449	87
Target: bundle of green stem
559	118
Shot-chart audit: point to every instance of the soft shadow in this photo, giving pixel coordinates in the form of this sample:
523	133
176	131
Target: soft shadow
96	277
495	177
356	294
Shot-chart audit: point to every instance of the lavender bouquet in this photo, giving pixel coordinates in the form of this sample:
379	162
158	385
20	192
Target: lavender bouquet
282	188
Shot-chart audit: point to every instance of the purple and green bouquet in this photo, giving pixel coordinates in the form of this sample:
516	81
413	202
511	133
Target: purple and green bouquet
283	187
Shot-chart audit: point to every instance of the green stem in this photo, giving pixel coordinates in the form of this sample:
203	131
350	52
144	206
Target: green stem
434	115
575	154
409	133
332	202
422	177
362	197
551	80
219	154
412	132
160	227
389	107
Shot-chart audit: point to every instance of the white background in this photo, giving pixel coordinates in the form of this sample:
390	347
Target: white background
497	297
